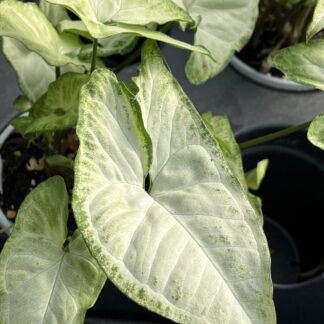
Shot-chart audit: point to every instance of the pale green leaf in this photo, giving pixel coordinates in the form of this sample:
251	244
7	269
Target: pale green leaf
317	23
220	128
40	281
254	177
192	248
56	110
54	13
33	73
108	18
315	132
223	28
26	23
302	63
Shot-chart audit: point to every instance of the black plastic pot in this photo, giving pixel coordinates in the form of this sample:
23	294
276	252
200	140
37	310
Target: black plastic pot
292	196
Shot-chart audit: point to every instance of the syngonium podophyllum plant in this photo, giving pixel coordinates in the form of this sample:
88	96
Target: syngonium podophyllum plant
160	198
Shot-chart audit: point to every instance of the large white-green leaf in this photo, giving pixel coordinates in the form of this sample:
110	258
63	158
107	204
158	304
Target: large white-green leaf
223	28
192	248
57	109
40	280
302	63
317	23
315	132
108	18
26	23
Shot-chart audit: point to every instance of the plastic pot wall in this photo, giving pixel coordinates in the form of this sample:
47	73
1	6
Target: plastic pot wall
249	106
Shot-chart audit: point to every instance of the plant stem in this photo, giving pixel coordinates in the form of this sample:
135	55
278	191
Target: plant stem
57	72
137	53
94	55
273	136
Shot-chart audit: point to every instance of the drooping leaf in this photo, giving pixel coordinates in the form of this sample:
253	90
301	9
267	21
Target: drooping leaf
315	132
40	280
302	63
108	18
33	73
220	128
191	249
54	13
223	27
317	23
55	110
26	23
254	177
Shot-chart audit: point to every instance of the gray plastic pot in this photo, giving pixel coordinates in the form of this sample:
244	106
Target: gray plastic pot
265	80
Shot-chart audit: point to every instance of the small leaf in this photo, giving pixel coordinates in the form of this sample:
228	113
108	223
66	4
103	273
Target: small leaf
107	18
56	110
302	63
22	104
40	281
26	23
191	247
315	132
223	27
59	161
317	23
254	177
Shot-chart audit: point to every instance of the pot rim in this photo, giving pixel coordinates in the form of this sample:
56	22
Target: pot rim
4	222
268	81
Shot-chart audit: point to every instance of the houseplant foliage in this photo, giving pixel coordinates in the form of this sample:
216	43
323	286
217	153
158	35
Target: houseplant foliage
160	198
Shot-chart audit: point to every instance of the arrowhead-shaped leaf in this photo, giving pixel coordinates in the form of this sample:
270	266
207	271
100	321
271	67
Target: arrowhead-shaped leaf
317	23
223	27
26	23
40	281
192	248
108	18
57	109
315	132
302	63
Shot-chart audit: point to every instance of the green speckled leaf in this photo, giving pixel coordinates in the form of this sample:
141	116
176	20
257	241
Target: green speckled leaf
108	18
302	63
26	23
315	132
317	23
40	282
56	110
254	177
223	28
192	248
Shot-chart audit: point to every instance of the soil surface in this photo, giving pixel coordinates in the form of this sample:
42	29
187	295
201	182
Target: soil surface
24	167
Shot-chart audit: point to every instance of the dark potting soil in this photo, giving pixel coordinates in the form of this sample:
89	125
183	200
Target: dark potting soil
279	25
24	167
